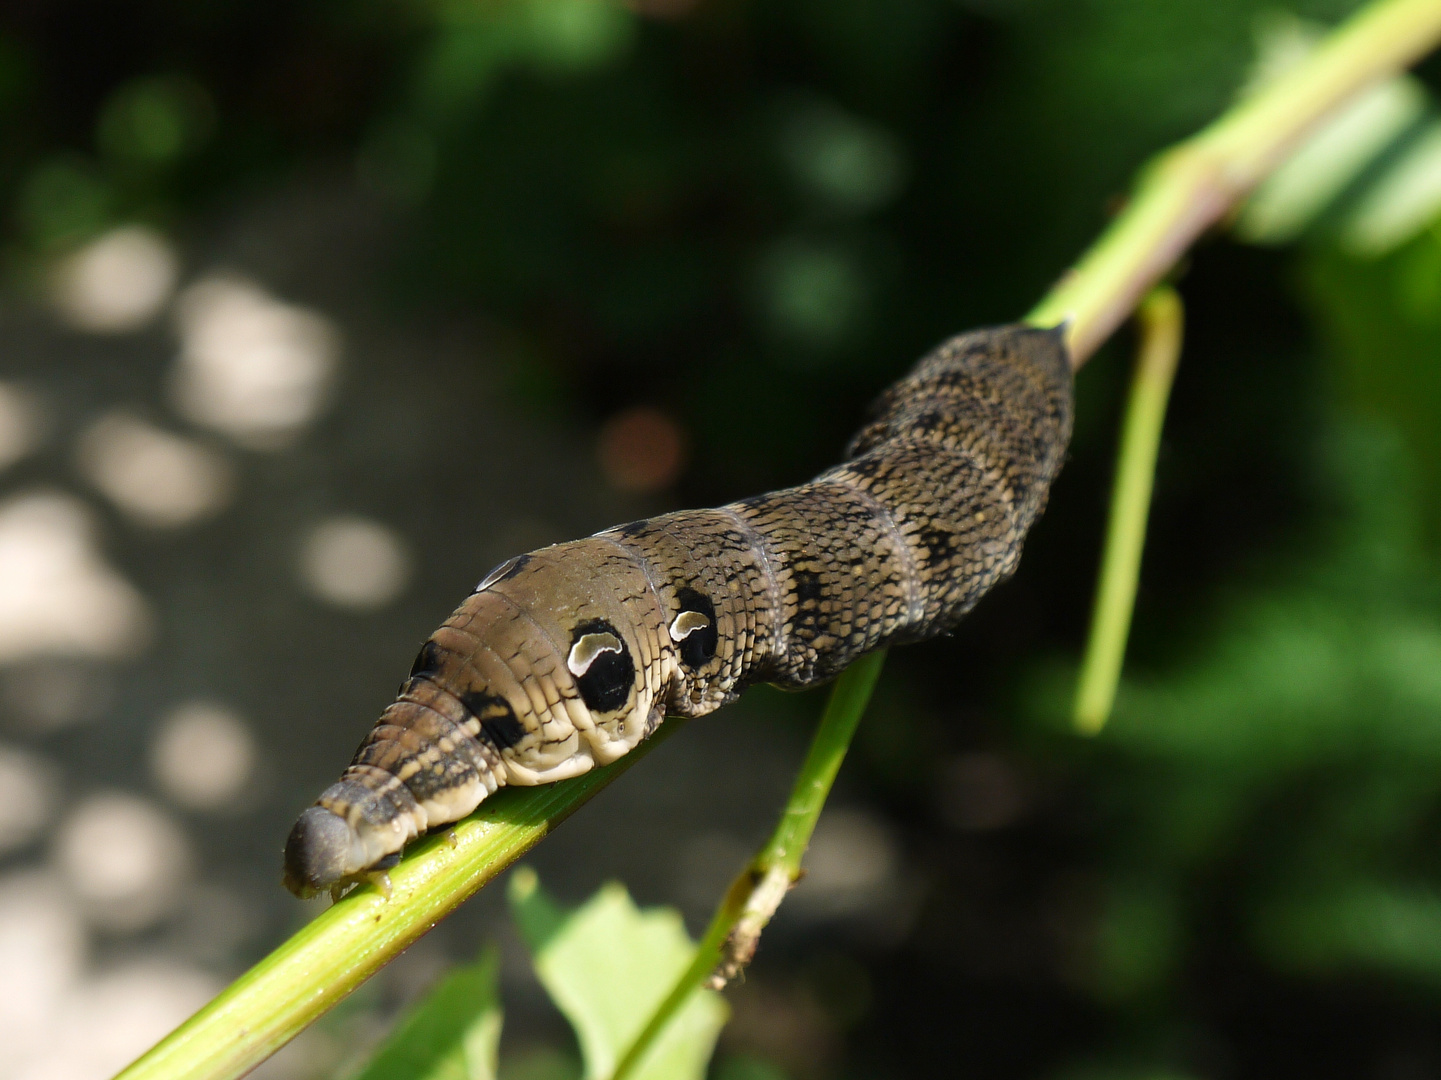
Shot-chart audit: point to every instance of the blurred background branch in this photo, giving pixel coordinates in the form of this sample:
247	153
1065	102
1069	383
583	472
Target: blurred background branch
1195	184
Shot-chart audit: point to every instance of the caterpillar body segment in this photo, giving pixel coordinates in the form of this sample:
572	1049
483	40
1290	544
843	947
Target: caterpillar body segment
567	657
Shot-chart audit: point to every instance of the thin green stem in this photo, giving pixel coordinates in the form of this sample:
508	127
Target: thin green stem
1160	321
1182	194
1197	183
343	946
753	897
838	724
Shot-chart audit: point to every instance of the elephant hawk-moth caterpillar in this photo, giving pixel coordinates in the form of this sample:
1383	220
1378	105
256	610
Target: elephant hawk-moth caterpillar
568	657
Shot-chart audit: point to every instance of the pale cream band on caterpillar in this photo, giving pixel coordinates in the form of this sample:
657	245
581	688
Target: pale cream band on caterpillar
566	658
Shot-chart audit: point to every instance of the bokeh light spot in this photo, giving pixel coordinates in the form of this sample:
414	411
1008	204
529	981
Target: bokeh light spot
22	423
57	595
153	121
848	164
63	201
109	1020
812	294
980	792
157	478
126	860
354	562
42	953
203	756
1402	203
851	865
577	35
641	450
251	367
116	283
29	792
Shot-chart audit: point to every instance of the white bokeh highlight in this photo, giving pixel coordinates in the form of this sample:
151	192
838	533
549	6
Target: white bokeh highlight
116	283
42	953
157	478
125	859
354	563
203	756
57	594
29	794
59	1018
22	423
109	1020
251	367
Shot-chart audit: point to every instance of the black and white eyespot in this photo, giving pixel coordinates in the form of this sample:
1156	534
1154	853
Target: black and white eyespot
503	572
601	664
587	650
694	629
687	623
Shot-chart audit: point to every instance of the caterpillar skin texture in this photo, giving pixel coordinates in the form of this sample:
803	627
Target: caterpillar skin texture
566	658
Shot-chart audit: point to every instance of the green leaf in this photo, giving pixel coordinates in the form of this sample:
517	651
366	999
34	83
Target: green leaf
1401	202
607	965
1317	174
452	1034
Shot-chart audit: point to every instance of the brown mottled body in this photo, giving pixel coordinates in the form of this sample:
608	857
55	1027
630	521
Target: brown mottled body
568	657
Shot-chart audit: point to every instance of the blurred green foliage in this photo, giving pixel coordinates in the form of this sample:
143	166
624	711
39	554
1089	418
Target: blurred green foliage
1291	769
752	213
453	1033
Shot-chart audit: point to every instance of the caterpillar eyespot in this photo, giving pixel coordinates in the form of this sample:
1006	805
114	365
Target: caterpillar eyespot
567	657
587	648
687	623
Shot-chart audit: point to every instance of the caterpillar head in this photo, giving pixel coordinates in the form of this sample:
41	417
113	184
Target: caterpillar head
539	676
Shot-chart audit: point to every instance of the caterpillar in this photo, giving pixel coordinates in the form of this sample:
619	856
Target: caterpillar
567	657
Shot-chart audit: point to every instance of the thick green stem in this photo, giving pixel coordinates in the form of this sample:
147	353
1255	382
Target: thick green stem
1160	320
754	896
1183	193
342	947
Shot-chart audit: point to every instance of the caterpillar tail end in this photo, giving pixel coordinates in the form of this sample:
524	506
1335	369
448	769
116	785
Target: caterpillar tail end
318	853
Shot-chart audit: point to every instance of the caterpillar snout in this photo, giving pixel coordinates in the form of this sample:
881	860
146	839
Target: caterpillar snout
322	850
432	758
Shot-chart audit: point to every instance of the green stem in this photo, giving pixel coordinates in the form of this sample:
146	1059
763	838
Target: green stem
1160	318
753	897
1182	194
1197	183
343	946
838	724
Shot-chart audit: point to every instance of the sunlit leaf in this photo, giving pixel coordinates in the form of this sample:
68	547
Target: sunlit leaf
1299	191
1402	202
607	965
